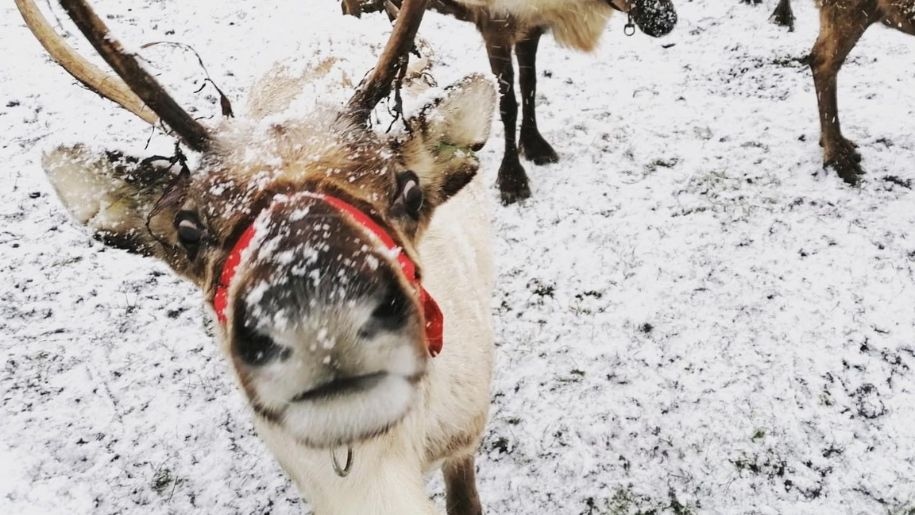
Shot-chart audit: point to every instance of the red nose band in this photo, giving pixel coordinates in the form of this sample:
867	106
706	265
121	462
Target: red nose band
432	314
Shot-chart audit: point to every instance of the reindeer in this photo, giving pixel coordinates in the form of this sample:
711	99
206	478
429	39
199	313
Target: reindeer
842	23
512	25
336	262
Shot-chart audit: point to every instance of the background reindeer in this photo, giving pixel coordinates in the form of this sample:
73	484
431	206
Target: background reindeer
842	23
509	27
306	236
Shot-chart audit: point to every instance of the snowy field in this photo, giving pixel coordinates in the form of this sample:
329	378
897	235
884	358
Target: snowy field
692	317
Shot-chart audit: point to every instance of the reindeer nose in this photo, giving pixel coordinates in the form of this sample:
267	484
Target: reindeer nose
390	314
388	307
315	291
256	349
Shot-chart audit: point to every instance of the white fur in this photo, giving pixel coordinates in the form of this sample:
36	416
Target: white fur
85	186
464	120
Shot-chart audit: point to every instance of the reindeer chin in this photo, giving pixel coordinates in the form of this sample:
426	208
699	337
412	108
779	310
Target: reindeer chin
352	416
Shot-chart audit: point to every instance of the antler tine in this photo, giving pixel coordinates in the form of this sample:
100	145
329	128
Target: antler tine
135	77
395	52
106	85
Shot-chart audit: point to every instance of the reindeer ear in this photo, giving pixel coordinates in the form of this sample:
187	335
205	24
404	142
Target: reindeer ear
443	137
112	194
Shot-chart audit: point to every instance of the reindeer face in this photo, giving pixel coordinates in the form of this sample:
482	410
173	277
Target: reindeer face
323	326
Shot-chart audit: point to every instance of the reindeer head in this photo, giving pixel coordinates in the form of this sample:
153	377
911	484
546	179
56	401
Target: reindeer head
303	235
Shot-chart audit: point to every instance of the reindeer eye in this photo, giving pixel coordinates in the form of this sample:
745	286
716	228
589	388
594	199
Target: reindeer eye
410	193
190	230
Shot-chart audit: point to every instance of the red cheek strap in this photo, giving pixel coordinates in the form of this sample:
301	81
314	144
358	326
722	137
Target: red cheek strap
432	313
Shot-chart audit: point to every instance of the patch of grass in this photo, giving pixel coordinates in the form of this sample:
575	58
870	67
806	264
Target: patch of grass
624	501
162	480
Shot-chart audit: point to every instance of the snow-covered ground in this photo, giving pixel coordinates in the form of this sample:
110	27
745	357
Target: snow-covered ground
691	315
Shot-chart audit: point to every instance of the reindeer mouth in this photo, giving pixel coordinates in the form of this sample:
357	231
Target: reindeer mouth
348	409
341	386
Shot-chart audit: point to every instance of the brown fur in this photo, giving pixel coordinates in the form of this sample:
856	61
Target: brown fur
461	488
842	23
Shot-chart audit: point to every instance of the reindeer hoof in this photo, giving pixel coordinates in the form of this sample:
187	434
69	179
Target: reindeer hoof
534	148
847	167
844	158
846	149
783	16
512	181
783	19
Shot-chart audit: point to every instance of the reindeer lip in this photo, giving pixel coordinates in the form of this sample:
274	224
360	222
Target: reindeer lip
341	386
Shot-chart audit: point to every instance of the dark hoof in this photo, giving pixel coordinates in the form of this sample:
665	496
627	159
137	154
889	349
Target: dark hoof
848	149
848	167
751	2
844	158
534	148
783	18
512	181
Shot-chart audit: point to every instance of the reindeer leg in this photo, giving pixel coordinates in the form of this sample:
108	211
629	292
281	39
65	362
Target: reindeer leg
782	15
461	497
512	180
840	30
532	144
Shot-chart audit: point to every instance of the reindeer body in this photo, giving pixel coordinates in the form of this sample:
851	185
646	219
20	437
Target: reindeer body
509	26
517	25
577	24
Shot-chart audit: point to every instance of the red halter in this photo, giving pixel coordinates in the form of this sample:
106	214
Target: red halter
432	314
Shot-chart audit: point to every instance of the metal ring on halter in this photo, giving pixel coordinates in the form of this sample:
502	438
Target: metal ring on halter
629	28
344	470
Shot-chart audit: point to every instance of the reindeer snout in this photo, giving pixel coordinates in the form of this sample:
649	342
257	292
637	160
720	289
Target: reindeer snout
299	315
331	352
323	324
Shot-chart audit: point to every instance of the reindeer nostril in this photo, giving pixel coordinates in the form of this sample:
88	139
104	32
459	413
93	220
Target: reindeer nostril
256	349
390	314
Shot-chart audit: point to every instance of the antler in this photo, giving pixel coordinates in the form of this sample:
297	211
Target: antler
106	85
391	60
137	90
